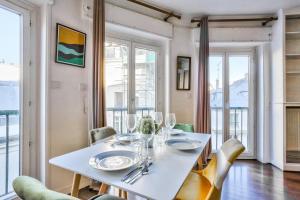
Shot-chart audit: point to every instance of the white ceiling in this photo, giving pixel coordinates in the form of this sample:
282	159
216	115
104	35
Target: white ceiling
222	7
211	7
38	2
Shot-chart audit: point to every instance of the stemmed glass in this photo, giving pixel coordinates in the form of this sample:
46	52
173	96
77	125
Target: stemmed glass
158	119
131	124
147	139
170	120
147	132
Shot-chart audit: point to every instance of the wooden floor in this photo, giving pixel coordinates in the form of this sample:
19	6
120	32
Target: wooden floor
255	181
251	180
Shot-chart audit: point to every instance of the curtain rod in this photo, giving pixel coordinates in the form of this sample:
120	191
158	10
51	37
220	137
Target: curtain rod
265	19
169	14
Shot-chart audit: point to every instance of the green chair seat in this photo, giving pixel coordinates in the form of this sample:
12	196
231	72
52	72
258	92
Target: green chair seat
28	188
184	127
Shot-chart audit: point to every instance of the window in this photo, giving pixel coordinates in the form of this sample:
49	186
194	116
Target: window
231	101
14	78
130	73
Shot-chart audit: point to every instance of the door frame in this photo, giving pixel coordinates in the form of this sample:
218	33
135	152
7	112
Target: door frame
225	53
28	86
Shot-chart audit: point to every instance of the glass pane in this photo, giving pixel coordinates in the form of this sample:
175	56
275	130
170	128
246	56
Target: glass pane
145	66
116	81
10	63
238	97
216	66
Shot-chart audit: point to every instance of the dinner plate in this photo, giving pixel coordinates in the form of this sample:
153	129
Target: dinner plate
113	160
127	137
175	132
183	144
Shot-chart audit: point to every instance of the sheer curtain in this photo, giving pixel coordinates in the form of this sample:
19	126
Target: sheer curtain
203	107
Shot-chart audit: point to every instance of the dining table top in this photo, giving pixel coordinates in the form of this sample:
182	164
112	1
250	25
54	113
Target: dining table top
168	171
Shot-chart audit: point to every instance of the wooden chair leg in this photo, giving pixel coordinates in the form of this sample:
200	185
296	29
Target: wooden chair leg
200	163
75	185
124	194
103	188
119	192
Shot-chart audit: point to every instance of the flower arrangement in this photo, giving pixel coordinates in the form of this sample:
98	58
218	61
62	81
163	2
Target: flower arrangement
146	125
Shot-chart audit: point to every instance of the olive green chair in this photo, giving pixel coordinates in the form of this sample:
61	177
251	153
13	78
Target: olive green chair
185	127
28	188
101	133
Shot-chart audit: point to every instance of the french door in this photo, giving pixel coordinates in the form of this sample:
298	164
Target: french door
130	74
14	82
232	98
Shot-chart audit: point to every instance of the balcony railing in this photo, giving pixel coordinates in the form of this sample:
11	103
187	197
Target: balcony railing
238	126
116	117
9	149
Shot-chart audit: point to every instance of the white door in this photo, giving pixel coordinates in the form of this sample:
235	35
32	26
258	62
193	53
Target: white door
232	98
130	76
14	79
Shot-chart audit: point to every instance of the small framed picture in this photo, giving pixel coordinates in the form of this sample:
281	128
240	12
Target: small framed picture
183	73
70	46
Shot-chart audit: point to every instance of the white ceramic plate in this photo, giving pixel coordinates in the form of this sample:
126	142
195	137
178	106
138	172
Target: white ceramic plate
127	137
175	132
183	144
113	160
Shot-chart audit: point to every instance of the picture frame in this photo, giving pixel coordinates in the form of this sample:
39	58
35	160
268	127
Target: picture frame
183	73
70	46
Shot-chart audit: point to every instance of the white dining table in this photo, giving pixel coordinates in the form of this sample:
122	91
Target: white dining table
167	173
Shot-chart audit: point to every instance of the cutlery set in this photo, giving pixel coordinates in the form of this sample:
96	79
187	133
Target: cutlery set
137	173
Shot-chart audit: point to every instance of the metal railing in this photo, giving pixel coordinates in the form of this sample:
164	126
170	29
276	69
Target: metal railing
7	118
116	117
238	126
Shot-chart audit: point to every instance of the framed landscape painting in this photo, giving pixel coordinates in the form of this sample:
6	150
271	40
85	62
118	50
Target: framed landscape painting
70	46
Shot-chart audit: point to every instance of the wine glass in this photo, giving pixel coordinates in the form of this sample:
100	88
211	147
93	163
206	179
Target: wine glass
170	120
147	132
131	124
158	119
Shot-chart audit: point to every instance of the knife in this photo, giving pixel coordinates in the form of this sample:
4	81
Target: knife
133	178
132	172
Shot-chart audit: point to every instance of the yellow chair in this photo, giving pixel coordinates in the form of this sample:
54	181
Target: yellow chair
207	184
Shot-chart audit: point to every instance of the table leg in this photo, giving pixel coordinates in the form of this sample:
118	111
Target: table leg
103	188
75	185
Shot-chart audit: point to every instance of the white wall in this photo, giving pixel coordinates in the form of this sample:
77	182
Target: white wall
67	118
182	102
277	139
263	103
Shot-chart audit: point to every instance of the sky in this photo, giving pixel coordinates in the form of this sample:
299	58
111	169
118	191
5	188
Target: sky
238	67
9	45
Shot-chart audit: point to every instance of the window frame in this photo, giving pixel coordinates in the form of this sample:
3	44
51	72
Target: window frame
226	52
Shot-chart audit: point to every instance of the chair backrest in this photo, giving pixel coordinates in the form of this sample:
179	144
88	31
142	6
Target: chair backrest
28	188
218	167
101	133
184	127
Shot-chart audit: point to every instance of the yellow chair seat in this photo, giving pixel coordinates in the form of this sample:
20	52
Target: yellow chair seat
195	187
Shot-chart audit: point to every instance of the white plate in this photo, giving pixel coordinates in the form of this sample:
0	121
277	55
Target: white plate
183	144
113	160
127	137
175	132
